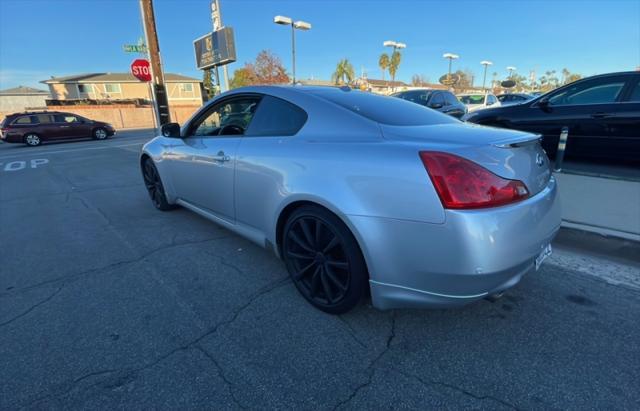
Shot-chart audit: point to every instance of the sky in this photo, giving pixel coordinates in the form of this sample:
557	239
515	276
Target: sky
44	38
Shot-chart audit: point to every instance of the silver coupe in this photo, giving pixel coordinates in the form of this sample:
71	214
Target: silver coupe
360	193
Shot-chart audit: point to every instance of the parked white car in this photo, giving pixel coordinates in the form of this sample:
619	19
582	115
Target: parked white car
478	101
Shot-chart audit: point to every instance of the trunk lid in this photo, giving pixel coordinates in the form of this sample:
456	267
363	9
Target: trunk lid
510	154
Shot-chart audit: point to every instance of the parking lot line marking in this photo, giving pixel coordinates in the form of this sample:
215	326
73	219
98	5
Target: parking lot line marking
44	152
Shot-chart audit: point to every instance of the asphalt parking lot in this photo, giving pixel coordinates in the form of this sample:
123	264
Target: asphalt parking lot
106	302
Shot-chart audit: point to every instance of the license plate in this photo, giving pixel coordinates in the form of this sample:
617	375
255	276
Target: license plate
546	252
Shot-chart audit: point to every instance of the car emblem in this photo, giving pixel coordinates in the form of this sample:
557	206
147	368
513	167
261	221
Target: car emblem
539	159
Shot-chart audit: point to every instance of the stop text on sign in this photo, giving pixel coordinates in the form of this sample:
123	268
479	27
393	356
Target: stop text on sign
141	69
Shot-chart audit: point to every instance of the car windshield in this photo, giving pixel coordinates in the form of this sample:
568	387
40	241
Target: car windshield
384	109
472	99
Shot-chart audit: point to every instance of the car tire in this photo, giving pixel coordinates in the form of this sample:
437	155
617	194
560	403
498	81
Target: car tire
154	186
324	260
100	134
32	140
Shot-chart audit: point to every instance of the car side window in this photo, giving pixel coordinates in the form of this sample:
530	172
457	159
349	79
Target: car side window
450	99
635	94
277	117
66	118
437	99
231	117
491	100
44	118
25	120
589	92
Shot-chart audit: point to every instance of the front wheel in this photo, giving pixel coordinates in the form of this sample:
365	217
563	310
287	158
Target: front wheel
324	260
154	186
100	133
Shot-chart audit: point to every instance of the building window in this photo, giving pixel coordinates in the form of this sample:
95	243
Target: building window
84	88
112	88
188	87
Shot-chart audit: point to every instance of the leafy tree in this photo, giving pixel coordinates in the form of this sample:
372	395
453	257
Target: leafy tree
572	77
383	63
419	80
344	71
207	84
394	63
465	79
244	76
267	69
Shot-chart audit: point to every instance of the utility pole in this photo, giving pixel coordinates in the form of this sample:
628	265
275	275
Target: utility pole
216	20
158	87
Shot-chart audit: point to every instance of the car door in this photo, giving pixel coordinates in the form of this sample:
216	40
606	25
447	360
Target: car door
260	176
47	128
202	165
581	107
622	126
68	126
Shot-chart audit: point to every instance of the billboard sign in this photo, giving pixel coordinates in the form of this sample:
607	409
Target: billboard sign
215	49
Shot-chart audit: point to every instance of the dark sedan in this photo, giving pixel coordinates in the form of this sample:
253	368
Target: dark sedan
33	128
440	100
602	114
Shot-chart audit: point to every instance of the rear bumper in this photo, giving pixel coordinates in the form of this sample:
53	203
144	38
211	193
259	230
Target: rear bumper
472	254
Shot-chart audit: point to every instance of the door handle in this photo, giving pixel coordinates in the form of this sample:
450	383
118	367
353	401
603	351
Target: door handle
600	115
221	157
65	126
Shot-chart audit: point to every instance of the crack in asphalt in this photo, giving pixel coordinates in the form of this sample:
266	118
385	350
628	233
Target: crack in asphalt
455	388
129	374
222	375
351	331
371	367
33	307
73	276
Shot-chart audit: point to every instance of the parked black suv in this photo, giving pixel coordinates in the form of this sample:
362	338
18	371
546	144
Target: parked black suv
441	100
32	128
601	112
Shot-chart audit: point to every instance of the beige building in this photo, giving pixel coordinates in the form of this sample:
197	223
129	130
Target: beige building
21	98
181	90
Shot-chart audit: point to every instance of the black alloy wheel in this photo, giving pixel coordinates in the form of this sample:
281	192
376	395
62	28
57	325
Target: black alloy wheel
324	260
154	186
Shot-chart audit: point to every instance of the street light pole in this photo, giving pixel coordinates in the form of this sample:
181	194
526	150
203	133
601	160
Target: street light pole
299	25
450	57
511	70
486	64
395	46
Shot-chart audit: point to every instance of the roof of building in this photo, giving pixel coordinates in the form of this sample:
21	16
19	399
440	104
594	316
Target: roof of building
114	78
385	83
22	91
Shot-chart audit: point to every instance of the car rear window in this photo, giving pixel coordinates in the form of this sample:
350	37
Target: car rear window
384	109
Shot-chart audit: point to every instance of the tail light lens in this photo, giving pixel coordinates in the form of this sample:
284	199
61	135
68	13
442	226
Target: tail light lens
463	184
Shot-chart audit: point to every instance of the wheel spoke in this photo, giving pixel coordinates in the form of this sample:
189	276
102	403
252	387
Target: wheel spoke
302	272
157	196
313	289
332	276
318	233
299	241
326	287
339	264
334	242
307	233
300	256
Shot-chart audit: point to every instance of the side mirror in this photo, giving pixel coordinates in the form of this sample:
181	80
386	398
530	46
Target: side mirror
170	130
436	105
544	105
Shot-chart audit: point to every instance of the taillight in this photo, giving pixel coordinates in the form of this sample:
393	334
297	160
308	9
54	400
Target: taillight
463	184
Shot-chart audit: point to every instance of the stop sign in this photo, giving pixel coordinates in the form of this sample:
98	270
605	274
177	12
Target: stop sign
141	69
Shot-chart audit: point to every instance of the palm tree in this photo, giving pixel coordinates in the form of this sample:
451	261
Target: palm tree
383	63
393	66
344	70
